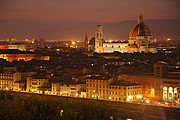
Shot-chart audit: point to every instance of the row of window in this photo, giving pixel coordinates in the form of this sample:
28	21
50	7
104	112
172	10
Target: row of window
3	88
134	93
18	55
97	85
97	81
136	87
113	46
6	82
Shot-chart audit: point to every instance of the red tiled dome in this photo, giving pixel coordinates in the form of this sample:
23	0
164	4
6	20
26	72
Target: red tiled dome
140	29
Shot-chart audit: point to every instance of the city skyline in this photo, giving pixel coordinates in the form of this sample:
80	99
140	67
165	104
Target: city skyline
67	19
89	59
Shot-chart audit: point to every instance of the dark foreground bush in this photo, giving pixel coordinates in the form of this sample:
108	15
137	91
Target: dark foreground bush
33	109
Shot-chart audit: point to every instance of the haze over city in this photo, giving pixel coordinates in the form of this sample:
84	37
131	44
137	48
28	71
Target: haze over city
69	19
89	60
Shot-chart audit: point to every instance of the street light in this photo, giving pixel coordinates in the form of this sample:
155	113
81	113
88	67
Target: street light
111	117
109	97
61	112
73	43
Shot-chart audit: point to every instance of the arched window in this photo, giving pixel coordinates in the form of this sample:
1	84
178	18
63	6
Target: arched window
157	70
164	93
170	93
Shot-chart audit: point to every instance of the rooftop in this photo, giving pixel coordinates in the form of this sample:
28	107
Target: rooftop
99	77
124	83
15	51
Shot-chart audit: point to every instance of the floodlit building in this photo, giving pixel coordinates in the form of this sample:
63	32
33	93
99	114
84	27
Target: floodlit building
3	46
34	82
124	91
18	55
163	85
97	87
140	40
17	46
12	80
105	88
69	89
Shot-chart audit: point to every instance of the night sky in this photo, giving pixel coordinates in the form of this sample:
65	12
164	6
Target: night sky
87	10
57	19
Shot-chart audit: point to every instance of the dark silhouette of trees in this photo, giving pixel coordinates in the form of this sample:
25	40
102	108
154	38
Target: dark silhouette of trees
43	109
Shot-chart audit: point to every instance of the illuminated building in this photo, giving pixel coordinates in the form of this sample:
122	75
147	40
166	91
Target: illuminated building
17	46
140	40
97	87
69	89
99	45
34	82
170	83
124	91
3	46
105	88
11	55
163	85
10	79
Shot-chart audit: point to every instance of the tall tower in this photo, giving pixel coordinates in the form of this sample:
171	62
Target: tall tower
86	42
99	39
160	69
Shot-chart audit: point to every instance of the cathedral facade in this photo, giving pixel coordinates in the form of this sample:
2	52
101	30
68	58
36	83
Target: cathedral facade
140	40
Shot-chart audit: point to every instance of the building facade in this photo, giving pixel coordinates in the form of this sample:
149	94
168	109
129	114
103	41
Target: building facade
20	47
140	40
13	80
11	55
69	90
163	85
105	88
35	82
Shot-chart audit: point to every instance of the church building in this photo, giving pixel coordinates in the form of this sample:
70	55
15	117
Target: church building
140	40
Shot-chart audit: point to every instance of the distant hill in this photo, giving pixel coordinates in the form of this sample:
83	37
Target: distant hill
160	28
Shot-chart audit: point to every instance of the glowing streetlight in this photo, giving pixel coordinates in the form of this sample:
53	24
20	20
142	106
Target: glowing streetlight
139	96
61	112
73	43
110	97
147	101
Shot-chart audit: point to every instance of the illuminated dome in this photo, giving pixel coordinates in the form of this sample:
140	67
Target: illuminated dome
140	29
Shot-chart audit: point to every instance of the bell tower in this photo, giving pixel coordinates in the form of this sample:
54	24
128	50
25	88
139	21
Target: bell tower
160	69
99	39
